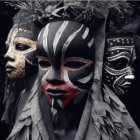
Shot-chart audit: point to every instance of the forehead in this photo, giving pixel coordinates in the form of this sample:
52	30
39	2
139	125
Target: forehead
119	46
20	32
68	37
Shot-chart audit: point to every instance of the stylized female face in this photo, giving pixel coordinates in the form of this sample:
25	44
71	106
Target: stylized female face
66	61
21	52
119	57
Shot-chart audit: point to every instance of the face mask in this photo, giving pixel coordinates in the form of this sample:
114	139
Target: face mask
66	61
118	61
21	53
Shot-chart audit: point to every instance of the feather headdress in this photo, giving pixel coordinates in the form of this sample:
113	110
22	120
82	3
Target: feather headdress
80	10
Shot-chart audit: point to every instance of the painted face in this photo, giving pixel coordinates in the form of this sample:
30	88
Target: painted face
21	54
118	61
66	61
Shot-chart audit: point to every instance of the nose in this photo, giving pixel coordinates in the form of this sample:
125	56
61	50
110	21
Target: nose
130	77
9	56
54	77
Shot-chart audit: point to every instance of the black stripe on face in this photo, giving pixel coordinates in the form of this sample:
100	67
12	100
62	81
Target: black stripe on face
75	76
27	34
42	45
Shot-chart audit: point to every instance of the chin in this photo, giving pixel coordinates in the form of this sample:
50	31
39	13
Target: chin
15	75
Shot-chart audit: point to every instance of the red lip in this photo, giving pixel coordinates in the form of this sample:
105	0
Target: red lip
63	92
56	92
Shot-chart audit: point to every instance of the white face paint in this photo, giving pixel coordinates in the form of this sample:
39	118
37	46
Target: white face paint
119	57
21	52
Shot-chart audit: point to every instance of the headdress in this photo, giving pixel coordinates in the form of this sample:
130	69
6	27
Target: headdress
81	10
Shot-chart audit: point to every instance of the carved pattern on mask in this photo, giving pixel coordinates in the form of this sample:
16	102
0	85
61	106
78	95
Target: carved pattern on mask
118	61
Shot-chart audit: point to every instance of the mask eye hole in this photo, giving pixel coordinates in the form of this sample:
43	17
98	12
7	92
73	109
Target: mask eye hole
22	47
119	63
76	63
44	64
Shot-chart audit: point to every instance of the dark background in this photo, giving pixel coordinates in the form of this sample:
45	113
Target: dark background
130	99
6	14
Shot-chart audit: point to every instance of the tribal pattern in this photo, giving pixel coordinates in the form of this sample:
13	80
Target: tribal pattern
119	57
66	54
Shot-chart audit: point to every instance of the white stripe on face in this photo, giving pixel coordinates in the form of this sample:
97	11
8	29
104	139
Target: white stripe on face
45	36
59	34
68	41
85	33
91	42
43	80
67	80
86	79
39	35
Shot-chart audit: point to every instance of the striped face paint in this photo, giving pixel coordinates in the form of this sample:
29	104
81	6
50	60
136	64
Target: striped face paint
21	53
66	61
119	57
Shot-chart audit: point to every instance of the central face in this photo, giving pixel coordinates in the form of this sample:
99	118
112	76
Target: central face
66	54
119	57
21	52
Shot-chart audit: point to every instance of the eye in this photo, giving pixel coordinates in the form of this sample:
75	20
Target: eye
75	64
119	63
44	64
22	47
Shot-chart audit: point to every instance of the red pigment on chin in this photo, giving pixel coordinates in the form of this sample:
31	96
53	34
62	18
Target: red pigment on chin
71	92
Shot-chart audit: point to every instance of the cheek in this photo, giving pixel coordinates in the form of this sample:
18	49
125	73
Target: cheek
19	65
42	75
81	79
109	78
31	58
19	61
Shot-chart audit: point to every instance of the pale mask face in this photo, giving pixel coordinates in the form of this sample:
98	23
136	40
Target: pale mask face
66	61
21	53
118	61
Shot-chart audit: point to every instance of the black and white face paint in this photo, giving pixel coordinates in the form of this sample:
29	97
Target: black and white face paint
118	60
66	61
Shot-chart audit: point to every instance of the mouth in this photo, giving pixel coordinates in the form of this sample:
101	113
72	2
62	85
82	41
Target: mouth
9	68
126	84
56	93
